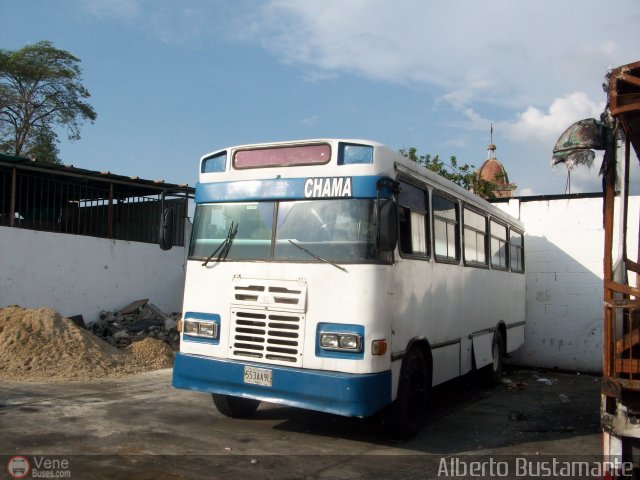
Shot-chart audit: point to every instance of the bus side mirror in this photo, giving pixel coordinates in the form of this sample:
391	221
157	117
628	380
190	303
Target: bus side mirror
167	224
387	226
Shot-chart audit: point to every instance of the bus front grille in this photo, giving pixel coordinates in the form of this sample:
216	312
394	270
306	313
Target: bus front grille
267	336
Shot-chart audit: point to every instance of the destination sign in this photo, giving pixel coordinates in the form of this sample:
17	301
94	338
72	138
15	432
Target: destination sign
327	187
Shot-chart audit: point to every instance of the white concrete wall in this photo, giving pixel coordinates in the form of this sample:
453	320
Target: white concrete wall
564	245
82	275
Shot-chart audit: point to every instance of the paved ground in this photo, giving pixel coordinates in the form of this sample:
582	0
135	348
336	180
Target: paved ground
142	428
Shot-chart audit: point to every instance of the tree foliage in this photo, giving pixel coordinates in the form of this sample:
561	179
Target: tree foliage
40	90
463	175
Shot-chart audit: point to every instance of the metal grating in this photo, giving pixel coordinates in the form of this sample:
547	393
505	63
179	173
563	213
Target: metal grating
270	294
267	336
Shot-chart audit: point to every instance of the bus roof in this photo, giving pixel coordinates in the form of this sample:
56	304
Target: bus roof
387	162
294	142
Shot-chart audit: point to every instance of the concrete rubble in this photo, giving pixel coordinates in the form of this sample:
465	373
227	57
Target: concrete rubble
138	320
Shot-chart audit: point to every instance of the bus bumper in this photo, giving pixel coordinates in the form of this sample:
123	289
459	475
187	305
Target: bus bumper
352	395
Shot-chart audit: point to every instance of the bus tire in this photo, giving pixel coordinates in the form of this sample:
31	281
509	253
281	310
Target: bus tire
235	407
403	419
492	373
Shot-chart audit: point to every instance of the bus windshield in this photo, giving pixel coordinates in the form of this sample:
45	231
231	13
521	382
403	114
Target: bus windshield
337	230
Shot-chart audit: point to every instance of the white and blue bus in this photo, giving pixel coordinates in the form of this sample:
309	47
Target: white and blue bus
339	276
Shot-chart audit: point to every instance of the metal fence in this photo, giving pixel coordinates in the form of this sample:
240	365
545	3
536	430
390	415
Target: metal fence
55	202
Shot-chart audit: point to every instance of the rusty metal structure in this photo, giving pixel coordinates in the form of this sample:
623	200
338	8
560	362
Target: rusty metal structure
620	399
616	132
65	199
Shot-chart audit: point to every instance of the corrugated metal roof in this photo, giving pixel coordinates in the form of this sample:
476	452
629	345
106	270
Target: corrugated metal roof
85	176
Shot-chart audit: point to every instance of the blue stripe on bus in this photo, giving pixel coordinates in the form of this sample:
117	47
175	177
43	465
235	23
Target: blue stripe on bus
353	395
274	189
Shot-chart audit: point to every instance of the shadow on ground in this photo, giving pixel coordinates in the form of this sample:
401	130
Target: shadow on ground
531	406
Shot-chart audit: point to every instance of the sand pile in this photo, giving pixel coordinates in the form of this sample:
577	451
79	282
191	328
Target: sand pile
152	353
38	344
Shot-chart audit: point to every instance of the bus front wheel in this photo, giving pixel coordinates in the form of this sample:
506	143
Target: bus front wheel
405	416
235	407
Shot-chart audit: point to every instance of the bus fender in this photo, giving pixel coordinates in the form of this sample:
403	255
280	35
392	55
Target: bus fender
482	342
397	360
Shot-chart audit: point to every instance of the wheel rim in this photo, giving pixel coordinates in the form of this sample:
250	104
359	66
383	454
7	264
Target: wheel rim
496	357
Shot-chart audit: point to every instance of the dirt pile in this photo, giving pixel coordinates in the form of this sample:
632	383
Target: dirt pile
38	344
152	353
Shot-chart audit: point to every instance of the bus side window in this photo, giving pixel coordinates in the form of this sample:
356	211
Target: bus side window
445	229
517	252
412	216
499	252
475	238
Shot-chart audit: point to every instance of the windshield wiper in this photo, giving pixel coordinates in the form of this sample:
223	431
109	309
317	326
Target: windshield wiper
225	246
317	256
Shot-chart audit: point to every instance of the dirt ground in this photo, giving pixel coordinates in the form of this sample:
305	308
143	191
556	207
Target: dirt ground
142	428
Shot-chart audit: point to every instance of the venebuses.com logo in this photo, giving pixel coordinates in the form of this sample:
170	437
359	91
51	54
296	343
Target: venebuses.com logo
18	467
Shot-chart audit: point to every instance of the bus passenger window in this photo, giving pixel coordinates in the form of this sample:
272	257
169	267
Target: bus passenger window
351	154
517	252
498	246
412	214
404	218
445	229
475	238
215	163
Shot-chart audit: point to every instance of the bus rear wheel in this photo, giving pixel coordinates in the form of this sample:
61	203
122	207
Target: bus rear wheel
235	407
403	419
492	373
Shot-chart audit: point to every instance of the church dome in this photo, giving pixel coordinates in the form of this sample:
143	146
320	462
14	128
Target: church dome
493	171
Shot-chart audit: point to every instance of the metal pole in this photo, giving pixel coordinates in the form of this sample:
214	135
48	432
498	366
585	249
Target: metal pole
110	212
12	207
609	199
624	198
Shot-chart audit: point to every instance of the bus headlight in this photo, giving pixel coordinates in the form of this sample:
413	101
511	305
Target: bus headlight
207	329
190	327
201	329
329	340
351	342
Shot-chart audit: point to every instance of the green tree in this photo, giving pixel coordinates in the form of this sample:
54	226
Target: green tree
40	90
463	175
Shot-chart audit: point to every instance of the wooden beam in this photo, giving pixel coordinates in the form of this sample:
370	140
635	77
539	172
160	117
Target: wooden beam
631	339
620	288
627	365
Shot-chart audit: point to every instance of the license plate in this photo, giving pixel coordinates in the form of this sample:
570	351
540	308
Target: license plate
258	376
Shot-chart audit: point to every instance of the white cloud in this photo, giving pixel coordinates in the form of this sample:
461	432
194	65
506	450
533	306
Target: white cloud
318	76
457	142
124	10
530	67
536	125
168	22
582	179
309	121
498	51
531	136
525	192
457	99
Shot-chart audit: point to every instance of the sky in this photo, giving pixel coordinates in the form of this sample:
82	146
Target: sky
173	80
